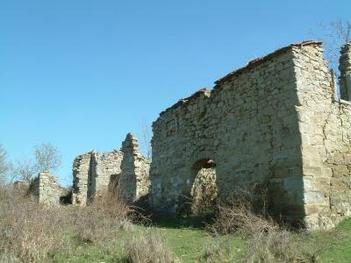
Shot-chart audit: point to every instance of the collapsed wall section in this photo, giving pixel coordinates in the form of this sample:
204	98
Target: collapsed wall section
81	172
46	190
105	170
134	181
125	170
92	174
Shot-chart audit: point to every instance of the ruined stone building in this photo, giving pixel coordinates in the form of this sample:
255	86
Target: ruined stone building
126	169
275	123
46	190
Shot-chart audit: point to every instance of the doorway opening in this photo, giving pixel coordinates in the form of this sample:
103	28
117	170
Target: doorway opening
204	191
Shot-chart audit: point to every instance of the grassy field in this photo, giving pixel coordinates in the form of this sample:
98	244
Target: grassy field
103	232
340	249
187	244
191	244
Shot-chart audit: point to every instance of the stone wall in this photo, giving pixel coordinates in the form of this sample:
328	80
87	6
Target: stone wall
247	125
81	171
104	168
134	181
46	190
92	173
126	170
273	124
325	127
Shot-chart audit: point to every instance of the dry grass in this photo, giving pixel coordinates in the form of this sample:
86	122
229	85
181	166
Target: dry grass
33	233
27	232
279	245
94	223
149	248
218	250
30	232
238	217
266	240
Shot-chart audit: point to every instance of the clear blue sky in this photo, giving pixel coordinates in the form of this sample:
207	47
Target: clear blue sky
81	74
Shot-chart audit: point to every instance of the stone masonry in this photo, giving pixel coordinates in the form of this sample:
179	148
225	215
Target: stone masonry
134	181
81	172
92	173
46	189
95	173
274	123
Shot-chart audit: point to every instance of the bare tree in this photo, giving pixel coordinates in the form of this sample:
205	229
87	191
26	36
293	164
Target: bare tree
47	157
334	35
25	170
342	30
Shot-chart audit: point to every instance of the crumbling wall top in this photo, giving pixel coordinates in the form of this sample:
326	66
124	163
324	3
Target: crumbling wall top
182	102
255	62
250	66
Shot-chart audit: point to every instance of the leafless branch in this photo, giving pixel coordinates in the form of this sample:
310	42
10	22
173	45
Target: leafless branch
334	35
47	157
25	170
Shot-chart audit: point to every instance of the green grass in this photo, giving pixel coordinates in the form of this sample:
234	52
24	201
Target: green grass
188	239
188	243
340	249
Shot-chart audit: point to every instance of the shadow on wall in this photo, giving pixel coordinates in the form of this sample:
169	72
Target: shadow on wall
91	180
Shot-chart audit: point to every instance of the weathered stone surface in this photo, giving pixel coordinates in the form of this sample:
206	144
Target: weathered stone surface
126	169
105	167
46	189
275	122
81	171
134	181
325	134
